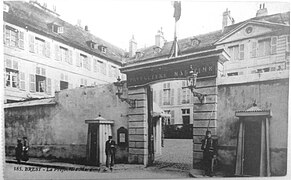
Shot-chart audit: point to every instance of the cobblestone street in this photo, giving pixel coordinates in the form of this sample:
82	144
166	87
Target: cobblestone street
176	154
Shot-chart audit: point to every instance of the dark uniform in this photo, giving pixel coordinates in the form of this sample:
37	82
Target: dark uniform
209	153
25	149
18	150
110	152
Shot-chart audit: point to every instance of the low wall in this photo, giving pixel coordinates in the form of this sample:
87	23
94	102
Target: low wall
59	130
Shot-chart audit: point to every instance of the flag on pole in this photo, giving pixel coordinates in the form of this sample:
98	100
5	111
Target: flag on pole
177	12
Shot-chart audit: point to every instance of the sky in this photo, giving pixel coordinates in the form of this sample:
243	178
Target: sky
116	21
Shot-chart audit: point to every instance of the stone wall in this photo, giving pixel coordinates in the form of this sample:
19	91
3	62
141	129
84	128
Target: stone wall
269	94
59	131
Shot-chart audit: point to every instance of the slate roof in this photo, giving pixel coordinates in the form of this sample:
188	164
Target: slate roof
207	40
36	19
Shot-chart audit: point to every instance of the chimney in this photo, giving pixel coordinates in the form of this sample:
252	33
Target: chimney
159	38
132	47
226	19
79	23
262	11
86	28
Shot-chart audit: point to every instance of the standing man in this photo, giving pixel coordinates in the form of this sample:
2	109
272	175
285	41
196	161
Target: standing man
110	152
25	149
209	153
18	150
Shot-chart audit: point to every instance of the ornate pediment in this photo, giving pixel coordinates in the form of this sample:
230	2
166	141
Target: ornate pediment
249	30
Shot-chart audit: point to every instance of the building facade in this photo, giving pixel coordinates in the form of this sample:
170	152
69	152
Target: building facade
44	54
257	45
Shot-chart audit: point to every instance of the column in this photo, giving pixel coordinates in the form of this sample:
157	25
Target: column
203	114
137	125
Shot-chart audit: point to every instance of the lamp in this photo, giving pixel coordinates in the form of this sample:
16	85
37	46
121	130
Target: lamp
120	84
191	84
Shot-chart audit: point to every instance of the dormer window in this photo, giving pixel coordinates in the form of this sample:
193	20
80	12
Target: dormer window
195	42
102	48
91	44
57	28
157	49
5	8
138	54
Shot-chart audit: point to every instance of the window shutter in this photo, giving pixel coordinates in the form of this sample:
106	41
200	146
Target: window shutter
254	49
160	97
172	96
70	56
110	70
22	81
77	59
57	53
21	40
241	51
172	116
15	65
94	65
274	45
31	43
179	96
48	49
89	63
57	85
32	83
4	34
8	63
49	86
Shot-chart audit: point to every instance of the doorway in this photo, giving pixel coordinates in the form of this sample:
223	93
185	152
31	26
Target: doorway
93	140
252	147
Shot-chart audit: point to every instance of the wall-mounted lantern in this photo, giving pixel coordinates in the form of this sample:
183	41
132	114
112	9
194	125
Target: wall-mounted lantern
120	85
191	84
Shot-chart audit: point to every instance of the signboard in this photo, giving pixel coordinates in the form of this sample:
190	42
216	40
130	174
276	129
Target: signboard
204	68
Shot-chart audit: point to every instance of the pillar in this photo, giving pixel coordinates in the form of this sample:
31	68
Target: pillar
138	127
203	114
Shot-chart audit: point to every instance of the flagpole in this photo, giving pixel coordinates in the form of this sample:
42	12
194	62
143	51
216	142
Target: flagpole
175	40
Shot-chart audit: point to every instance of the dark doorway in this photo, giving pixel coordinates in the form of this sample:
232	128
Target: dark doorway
252	147
93	144
151	148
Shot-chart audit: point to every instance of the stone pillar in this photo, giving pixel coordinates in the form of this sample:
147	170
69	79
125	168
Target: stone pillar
203	113
138	127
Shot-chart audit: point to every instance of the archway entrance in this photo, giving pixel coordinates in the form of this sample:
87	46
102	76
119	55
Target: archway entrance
141	75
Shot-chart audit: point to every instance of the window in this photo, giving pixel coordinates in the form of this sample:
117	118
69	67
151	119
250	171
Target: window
83	82
86	61
185	93
264	47
168	120
11	74
102	48
40	80
101	67
13	37
232	74
39	46
267	46
166	94
113	71
186	116
236	52
57	29
95	69
64	84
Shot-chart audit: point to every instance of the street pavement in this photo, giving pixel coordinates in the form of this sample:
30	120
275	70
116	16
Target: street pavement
176	154
175	162
15	171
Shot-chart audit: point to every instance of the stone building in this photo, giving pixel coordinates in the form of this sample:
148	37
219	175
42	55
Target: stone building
250	67
44	53
257	45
